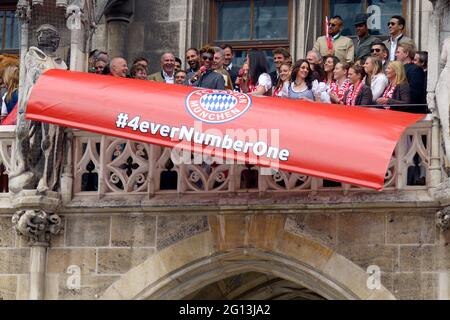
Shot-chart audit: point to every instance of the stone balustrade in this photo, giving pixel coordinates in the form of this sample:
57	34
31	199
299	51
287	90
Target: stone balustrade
108	167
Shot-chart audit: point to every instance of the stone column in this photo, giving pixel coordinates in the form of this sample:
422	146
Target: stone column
118	14
36	220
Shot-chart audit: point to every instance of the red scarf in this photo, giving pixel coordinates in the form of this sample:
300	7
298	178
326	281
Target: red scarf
389	92
353	94
340	90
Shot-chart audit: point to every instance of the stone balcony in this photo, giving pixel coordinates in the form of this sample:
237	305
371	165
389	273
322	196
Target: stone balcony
115	173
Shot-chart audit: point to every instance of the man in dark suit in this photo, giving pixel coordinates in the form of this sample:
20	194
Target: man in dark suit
280	55
228	64
415	75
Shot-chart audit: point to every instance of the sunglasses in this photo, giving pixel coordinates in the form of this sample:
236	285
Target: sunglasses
375	50
391	24
207	58
331	25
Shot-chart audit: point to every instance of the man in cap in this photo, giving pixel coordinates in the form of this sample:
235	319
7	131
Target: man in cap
365	41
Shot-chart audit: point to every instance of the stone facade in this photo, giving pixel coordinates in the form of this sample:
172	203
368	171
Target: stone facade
160	244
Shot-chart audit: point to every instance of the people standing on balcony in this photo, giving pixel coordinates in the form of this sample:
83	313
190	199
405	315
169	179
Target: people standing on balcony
421	60
281	89
95	55
301	81
328	66
167	72
375	77
228	63
365	41
139	71
397	92
380	51
205	77
341	82
9	99
259	82
118	67
280	56
414	74
358	94
341	46
396	26
217	66
314	57
180	77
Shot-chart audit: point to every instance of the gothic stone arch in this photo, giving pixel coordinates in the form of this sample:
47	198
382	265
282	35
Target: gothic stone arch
228	248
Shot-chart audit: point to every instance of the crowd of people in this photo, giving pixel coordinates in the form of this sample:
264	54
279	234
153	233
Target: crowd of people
367	72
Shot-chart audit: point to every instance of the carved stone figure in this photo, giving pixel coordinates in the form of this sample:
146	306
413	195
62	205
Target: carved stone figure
36	225
443	218
443	96
39	145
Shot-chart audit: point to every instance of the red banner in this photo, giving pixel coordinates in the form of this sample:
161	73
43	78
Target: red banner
347	144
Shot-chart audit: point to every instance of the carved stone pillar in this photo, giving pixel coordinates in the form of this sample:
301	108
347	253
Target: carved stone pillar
36	220
118	14
24	14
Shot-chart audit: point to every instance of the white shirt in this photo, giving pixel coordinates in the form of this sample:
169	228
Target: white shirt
378	84
394	43
265	81
169	79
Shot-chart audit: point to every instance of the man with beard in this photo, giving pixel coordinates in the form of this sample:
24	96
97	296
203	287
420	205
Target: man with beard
193	60
205	77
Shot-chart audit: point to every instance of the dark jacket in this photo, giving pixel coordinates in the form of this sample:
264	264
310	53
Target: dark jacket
274	77
364	97
211	80
401	94
416	80
234	72
363	46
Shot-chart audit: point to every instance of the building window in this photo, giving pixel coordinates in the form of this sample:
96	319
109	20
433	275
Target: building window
380	12
245	24
9	30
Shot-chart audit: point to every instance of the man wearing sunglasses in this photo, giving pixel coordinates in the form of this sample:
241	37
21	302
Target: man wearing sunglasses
205	77
380	51
365	41
396	27
342	47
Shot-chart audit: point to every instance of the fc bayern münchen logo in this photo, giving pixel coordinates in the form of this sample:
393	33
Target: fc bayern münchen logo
217	106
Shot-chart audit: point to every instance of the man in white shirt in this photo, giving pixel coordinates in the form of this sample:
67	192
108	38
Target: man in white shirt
167	73
396	27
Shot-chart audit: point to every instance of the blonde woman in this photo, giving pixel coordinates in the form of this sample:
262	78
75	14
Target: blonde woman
397	91
11	82
375	77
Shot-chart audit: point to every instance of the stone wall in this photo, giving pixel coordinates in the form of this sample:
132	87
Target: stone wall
405	244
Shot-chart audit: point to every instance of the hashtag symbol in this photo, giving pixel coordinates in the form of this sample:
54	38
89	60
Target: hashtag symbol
122	120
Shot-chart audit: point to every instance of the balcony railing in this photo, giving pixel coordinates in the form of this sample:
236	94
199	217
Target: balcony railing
107	167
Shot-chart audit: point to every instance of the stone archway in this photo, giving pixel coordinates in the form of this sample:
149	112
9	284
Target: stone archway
240	244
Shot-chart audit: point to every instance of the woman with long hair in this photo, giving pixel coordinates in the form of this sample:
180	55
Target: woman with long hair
329	64
259	78
11	82
376	79
358	94
281	90
397	92
341	84
301	81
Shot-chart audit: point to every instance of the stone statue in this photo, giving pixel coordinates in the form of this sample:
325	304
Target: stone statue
39	145
443	96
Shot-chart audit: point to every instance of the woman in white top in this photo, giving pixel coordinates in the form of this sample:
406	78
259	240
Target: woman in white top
375	77
281	89
259	82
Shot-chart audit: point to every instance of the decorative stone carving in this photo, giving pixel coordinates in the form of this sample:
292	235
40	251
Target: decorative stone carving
39	145
443	96
36	225
443	219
